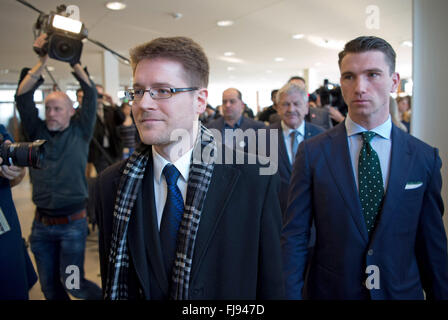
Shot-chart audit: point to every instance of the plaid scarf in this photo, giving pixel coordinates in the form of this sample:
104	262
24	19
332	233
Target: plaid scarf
201	169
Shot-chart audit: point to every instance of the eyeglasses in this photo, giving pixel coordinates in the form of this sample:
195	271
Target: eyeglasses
155	93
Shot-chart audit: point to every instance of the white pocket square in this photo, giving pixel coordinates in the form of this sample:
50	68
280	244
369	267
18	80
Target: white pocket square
413	185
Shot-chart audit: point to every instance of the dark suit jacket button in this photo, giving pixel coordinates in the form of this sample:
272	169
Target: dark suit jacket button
370	252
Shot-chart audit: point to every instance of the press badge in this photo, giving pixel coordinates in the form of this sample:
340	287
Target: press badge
4	226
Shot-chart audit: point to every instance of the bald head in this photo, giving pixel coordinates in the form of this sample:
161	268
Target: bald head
58	111
232	105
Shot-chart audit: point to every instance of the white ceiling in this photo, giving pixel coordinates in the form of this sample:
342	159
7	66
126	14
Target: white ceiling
262	31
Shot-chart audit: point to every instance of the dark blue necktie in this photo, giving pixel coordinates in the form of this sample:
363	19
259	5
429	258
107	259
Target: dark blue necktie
171	218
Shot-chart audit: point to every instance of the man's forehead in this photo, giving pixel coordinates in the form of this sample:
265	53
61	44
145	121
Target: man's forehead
230	94
363	61
162	71
295	96
55	101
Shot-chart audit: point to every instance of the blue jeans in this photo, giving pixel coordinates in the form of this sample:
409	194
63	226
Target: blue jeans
55	248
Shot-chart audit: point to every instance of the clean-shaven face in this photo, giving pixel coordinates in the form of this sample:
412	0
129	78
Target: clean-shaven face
232	106
156	119
366	84
292	109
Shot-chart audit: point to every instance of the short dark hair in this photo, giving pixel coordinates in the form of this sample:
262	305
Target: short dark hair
370	43
180	49
297	78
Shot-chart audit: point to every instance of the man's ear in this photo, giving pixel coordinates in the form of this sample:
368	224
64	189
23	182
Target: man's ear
201	99
72	111
395	81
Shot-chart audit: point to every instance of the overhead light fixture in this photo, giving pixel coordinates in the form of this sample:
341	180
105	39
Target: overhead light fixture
279	59
229	53
177	15
230	59
327	43
298	36
50	68
230	68
115	5
407	43
224	23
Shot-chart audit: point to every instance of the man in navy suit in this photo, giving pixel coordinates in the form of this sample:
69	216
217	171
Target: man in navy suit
379	228
292	108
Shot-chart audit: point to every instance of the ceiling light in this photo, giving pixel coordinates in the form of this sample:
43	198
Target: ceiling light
229	53
230	68
224	23
298	36
50	68
177	15
279	59
327	43
230	59
115	5
407	43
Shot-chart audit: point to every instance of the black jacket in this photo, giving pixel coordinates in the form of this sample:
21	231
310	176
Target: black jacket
237	250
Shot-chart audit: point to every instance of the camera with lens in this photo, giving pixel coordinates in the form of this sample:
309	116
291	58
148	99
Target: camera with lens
22	154
64	36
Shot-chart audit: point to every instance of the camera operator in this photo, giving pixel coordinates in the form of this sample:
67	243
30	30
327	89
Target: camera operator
59	231
106	147
17	274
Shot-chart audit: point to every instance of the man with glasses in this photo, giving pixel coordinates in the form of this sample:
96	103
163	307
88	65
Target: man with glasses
174	224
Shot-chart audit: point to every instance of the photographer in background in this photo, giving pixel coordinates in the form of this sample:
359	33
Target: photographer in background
106	147
59	230
17	274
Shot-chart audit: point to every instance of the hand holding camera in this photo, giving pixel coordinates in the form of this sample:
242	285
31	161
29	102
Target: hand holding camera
12	173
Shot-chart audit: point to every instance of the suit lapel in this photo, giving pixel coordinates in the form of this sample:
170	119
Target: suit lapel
402	157
340	164
308	133
220	190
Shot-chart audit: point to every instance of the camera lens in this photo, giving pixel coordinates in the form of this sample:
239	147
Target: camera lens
64	48
23	154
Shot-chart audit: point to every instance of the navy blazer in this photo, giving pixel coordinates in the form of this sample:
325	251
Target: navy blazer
408	245
284	166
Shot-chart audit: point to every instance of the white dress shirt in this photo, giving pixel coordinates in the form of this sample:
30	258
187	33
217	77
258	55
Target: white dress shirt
287	137
381	143
160	188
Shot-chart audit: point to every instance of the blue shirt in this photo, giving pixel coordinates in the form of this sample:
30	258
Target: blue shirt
381	143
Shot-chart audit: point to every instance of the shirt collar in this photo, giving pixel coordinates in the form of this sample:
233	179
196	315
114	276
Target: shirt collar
237	124
287	130
182	164
383	130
